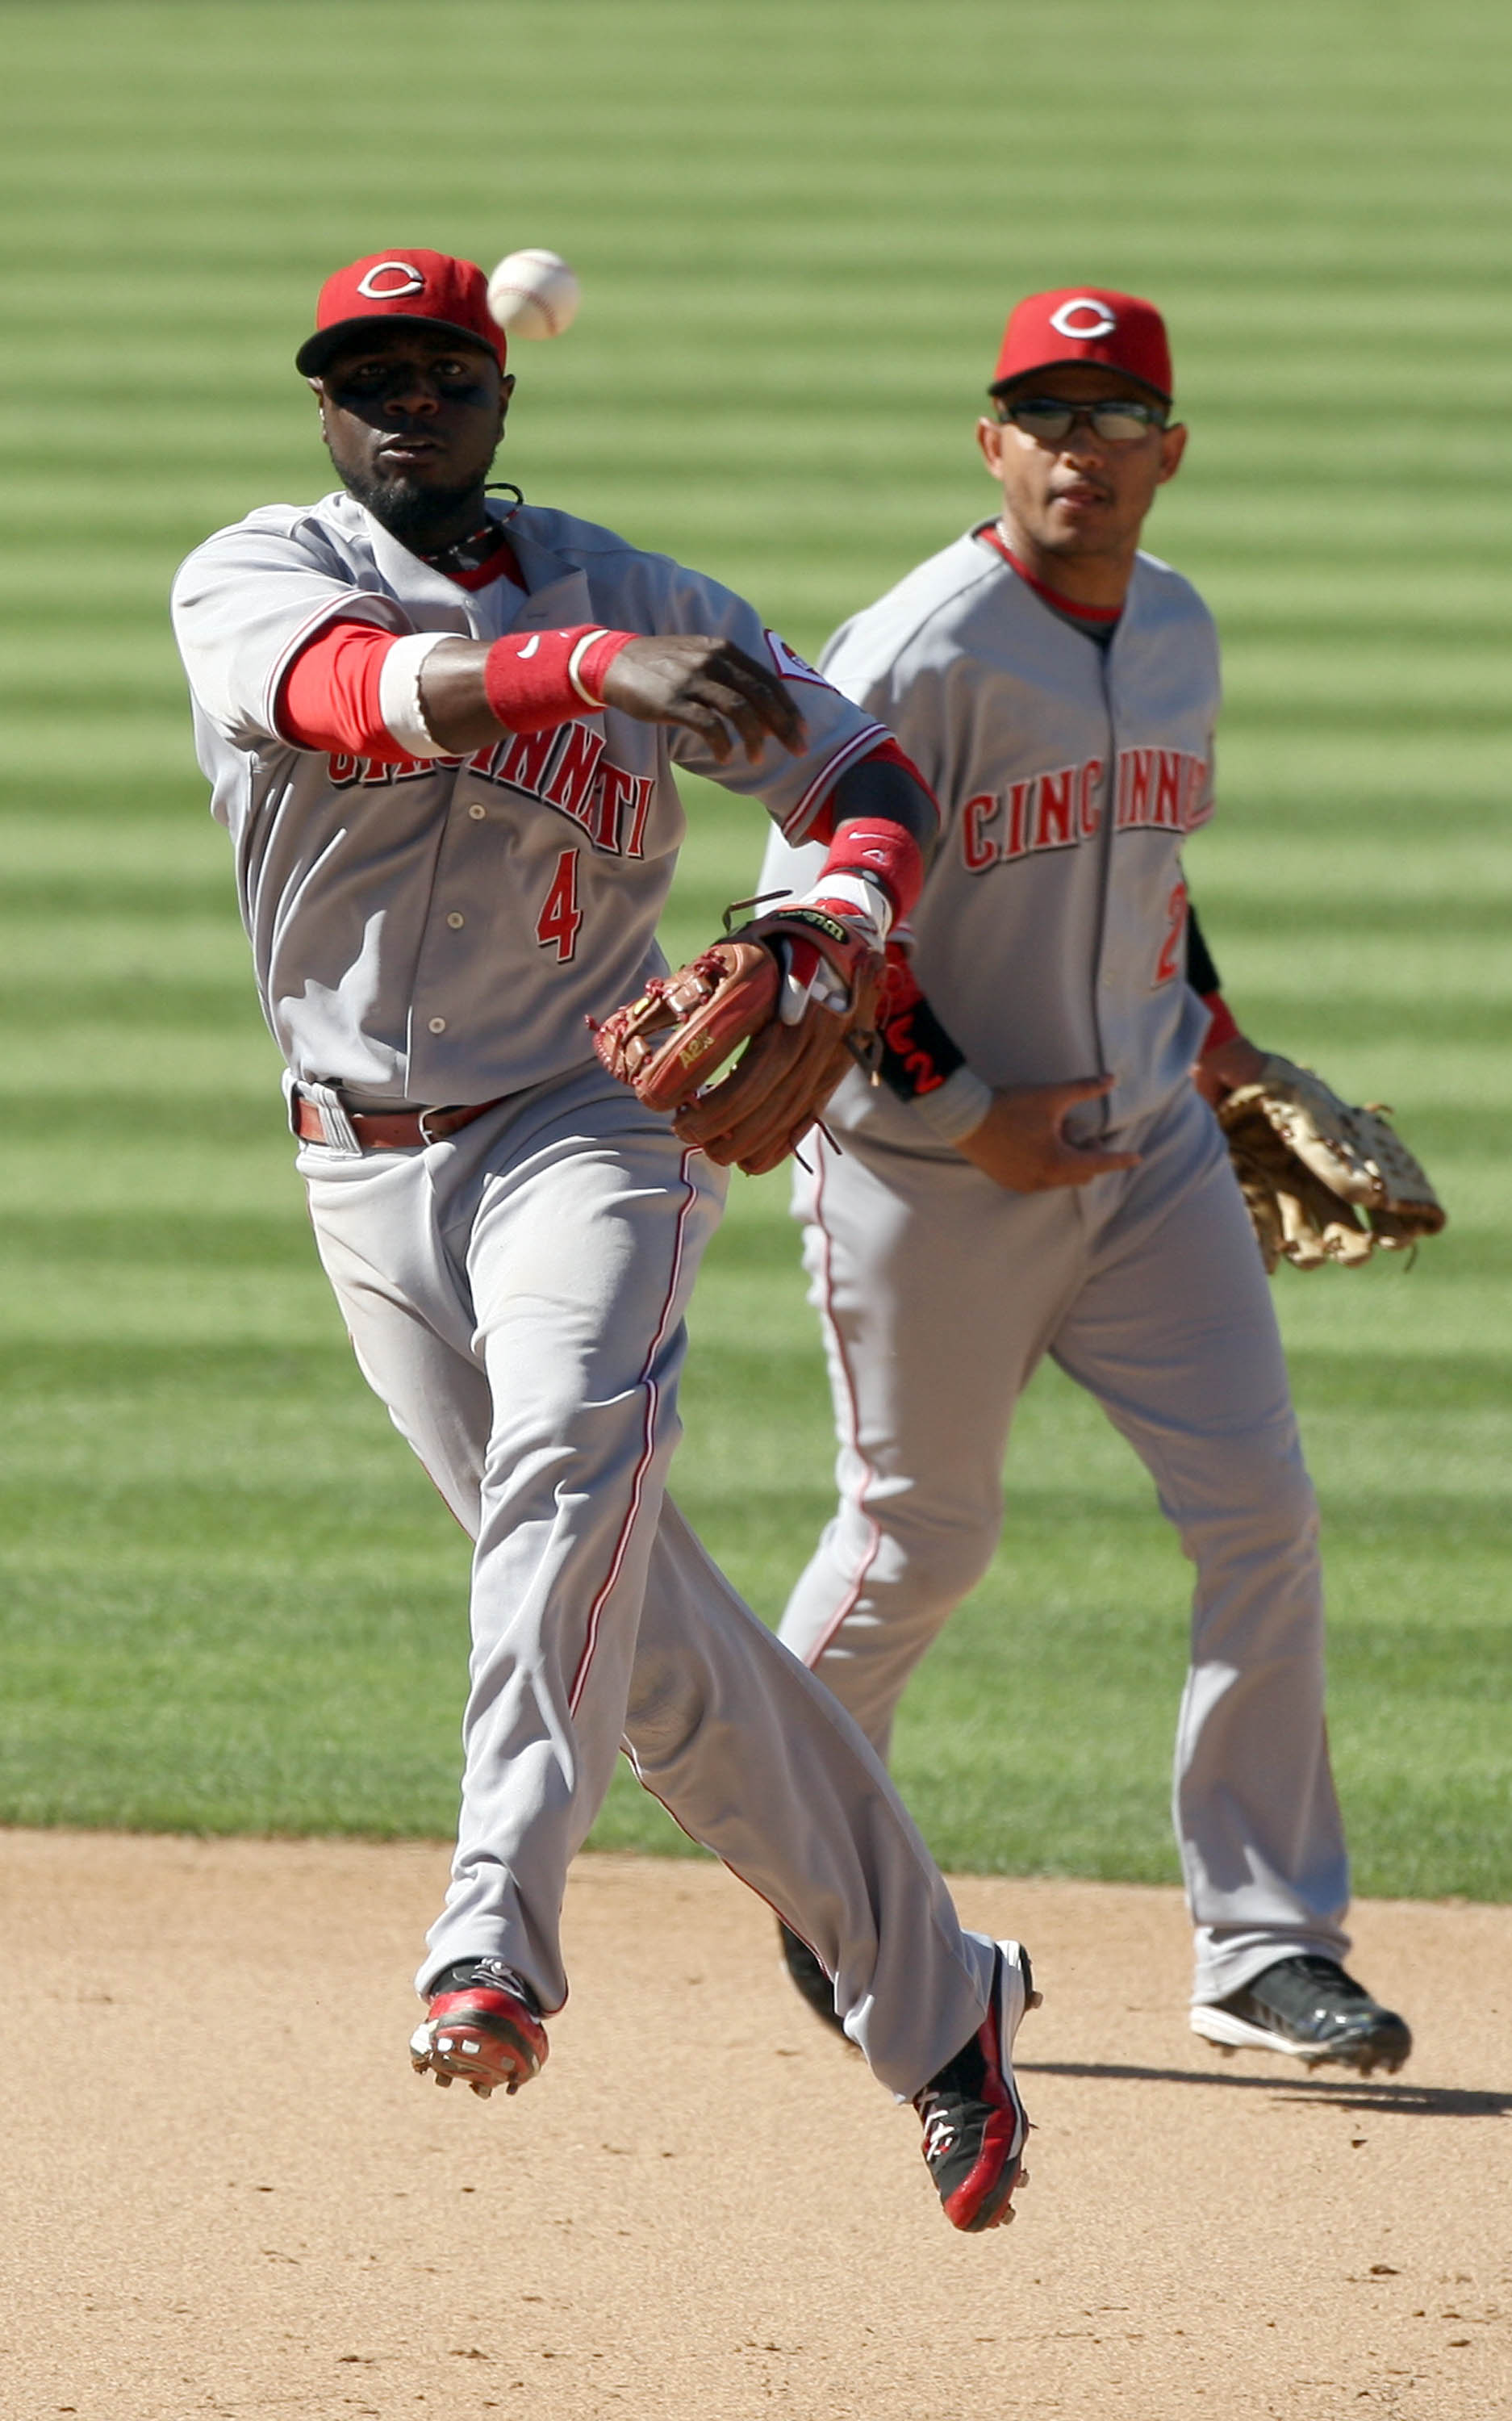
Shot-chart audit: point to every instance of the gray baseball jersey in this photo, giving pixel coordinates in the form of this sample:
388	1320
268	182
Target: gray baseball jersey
443	934
1050	943
1068	779
516	1292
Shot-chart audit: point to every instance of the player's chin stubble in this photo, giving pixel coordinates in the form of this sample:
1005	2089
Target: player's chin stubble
410	512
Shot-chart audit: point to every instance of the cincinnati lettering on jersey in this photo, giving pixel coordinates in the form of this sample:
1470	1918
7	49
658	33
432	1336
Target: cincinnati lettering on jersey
565	768
1156	789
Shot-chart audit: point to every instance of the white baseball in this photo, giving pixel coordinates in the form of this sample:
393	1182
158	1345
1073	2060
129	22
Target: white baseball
534	293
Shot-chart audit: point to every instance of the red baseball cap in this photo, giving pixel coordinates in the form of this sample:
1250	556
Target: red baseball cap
1086	324
428	285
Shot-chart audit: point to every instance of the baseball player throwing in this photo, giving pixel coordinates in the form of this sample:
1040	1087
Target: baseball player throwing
1039	1175
441	732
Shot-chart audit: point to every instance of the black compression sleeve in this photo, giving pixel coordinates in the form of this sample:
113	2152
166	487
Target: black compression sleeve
1201	972
917	1054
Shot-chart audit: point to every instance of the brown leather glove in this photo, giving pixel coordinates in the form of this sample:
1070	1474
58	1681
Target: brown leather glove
797	988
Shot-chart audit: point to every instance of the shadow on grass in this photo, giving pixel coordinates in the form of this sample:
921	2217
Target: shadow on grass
1400	2100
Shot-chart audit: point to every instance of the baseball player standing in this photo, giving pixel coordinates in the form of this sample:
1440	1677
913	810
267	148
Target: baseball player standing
441	732
1058	688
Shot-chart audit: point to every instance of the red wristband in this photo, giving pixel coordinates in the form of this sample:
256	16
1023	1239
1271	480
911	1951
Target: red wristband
1223	1028
597	656
529	683
883	852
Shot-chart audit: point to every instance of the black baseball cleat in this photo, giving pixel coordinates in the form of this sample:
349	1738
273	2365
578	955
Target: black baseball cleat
483	2025
813	1981
1309	2008
976	2126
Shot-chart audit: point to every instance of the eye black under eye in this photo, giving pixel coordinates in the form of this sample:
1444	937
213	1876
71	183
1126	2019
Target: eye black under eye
456	374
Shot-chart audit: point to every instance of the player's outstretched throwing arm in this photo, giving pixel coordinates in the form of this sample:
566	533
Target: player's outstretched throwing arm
708	685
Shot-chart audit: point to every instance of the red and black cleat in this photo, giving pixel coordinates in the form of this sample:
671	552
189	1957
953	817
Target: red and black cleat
483	2025
975	2124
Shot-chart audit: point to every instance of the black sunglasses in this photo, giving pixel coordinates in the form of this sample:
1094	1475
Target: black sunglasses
1117	422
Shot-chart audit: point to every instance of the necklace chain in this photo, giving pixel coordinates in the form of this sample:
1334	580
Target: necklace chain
469	552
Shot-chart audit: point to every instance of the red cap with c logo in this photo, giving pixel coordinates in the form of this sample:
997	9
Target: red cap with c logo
1086	324
428	285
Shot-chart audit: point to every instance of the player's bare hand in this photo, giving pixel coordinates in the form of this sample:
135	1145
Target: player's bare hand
1023	1146
1220	1072
709	685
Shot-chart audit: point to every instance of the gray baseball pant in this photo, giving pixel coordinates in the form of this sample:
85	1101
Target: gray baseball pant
938	1292
516	1295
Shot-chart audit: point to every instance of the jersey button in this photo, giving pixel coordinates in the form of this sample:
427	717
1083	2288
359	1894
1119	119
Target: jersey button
477	812
438	1025
456	922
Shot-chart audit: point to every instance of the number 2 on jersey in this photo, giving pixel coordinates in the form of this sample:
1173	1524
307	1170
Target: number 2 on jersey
557	927
1168	965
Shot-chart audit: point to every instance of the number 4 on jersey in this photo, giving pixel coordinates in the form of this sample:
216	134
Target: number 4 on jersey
557	927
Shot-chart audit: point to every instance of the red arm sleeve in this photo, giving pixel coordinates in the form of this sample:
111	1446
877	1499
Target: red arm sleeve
329	698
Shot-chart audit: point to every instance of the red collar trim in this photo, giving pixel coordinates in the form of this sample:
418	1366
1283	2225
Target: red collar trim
1097	618
501	565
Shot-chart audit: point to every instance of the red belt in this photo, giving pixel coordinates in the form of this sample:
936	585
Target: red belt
391	1129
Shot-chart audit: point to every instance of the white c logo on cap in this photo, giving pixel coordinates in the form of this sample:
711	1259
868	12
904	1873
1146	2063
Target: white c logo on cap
409	281
1082	318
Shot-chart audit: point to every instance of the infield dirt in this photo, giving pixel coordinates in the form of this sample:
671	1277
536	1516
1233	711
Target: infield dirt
229	2195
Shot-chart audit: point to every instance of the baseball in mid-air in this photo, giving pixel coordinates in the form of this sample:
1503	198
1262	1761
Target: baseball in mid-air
534	293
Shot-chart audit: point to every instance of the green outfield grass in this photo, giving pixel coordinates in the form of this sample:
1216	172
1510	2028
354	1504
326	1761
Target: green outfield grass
231	1600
